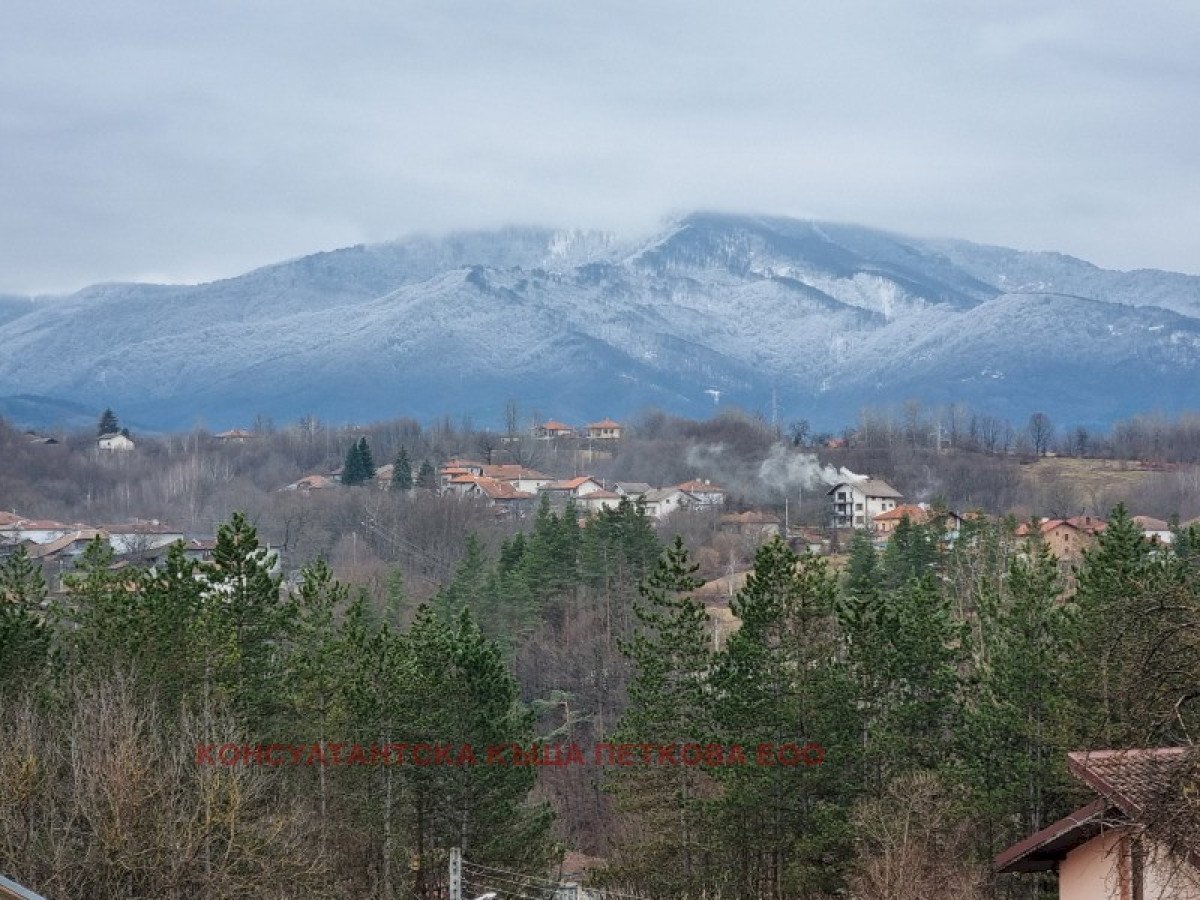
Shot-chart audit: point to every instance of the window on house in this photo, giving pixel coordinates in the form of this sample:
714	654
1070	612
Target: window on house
858	506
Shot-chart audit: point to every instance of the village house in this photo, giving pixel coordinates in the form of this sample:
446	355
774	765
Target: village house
114	442
706	494
885	523
1067	539
14	529
551	430
496	493
470	466
310	483
1156	531
523	479
68	547
661	502
855	504
632	489
1100	850
754	524
234	436
571	488
808	540
140	536
600	500
604	430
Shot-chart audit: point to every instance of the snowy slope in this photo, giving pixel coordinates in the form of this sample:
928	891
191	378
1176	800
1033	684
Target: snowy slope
580	324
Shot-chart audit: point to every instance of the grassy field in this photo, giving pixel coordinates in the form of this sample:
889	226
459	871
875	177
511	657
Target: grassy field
1091	474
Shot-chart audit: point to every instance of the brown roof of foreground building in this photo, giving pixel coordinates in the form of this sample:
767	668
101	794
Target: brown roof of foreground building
1128	781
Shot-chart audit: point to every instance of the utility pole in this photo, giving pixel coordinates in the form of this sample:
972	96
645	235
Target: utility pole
456	873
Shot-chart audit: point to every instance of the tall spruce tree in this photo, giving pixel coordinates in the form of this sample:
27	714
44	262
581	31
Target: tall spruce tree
1117	594
912	552
108	423
24	635
1019	718
662	807
402	475
427	476
777	683
258	617
366	459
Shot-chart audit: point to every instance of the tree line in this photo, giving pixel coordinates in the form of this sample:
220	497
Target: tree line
946	686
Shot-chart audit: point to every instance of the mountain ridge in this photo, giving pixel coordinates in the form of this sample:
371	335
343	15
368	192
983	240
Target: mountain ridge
826	317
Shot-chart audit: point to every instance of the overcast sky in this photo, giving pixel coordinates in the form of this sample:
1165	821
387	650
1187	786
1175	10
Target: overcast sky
187	141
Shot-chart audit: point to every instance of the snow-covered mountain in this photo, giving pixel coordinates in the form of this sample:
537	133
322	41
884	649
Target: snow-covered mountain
580	324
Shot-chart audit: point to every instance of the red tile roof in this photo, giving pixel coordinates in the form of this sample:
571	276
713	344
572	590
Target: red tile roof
605	423
554	426
1128	782
571	484
913	513
1133	780
493	488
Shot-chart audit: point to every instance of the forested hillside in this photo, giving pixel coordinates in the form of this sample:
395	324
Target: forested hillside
943	687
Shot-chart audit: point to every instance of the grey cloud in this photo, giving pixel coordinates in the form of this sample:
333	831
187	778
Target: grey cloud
189	141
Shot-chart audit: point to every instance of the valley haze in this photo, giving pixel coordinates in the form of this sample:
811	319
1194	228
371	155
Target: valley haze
823	318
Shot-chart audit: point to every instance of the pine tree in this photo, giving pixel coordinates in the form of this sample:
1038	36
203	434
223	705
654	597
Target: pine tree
912	552
366	460
427	477
316	667
164	612
668	704
402	476
860	602
777	683
24	635
1116	589
108	423
258	617
469	587
1019	723
354	470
